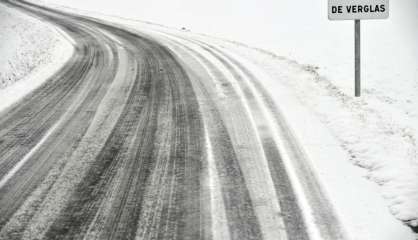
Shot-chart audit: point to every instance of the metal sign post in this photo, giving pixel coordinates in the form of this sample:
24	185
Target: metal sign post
357	10
357	57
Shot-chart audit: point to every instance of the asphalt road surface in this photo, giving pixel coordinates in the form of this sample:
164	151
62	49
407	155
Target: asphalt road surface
143	137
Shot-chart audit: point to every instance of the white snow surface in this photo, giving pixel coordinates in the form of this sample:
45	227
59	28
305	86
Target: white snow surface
30	51
364	149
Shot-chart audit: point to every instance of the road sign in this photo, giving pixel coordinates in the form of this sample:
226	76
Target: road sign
358	9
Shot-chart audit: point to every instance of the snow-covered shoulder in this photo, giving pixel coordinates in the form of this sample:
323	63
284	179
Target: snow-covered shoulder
30	51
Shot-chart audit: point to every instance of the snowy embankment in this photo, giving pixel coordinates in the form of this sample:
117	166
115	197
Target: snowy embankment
30	52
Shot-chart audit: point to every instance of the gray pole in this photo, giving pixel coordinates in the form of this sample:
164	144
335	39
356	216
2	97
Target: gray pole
357	58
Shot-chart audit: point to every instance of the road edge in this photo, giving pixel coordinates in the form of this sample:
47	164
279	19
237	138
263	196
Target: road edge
60	55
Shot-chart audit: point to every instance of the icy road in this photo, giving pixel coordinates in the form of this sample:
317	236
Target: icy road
149	135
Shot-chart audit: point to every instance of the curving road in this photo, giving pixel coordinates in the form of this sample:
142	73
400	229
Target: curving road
144	136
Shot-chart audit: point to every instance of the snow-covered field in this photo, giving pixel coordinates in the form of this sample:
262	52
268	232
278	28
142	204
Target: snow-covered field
29	52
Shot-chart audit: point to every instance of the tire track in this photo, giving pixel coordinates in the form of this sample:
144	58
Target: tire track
221	137
46	105
183	119
74	86
295	226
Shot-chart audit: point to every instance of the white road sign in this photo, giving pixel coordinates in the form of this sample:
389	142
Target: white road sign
358	9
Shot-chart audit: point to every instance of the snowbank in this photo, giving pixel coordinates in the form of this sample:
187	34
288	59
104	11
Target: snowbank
30	52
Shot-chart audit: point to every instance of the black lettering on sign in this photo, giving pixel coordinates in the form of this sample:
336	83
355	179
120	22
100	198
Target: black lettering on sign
337	9
359	9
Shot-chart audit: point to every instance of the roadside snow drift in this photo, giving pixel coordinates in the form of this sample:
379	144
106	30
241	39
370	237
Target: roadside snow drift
30	51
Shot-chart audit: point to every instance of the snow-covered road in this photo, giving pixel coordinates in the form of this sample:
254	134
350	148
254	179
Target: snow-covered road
149	132
152	136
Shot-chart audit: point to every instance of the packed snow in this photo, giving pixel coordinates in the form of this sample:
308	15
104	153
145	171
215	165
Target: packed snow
30	51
